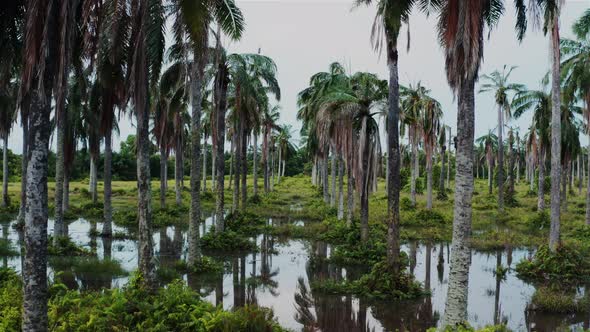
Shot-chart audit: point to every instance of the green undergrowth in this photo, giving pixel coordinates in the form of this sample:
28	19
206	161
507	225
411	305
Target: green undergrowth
226	241
206	265
6	249
245	223
380	283
65	247
132	308
552	300
565	268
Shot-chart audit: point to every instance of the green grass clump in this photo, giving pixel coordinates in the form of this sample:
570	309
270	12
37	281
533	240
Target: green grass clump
227	241
206	265
245	223
564	268
540	220
547	299
405	204
65	247
428	218
10	300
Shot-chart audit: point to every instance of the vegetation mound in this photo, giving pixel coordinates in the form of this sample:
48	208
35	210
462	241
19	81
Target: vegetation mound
564	268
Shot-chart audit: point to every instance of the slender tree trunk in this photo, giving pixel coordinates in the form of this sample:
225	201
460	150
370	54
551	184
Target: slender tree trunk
265	157
541	185
205	164
221	84
107	175
314	168
255	165
554	233
279	165
364	191
35	294
456	303
5	201
441	182
325	179
194	251
213	167
333	183
393	161
490	176
587	192
340	188
237	165
272	170
500	159
517	159
564	180
66	200
449	167
349	192
178	172
59	223
244	166
429	182
580	177
94	178
24	165
163	162
231	160
413	167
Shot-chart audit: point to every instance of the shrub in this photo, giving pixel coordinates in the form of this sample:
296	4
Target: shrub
540	220
546	299
405	204
429	218
227	241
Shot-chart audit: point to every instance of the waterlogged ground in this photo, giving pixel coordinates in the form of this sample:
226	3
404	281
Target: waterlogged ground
278	275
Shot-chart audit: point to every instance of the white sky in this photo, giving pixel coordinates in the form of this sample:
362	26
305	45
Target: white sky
305	36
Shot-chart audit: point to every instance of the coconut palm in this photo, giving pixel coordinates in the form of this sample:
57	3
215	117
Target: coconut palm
464	21
498	83
269	123
285	147
430	127
540	102
576	74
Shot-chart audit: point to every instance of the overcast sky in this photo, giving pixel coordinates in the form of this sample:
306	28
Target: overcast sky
305	36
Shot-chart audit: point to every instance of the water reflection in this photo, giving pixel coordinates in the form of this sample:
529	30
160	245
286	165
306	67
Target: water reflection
279	274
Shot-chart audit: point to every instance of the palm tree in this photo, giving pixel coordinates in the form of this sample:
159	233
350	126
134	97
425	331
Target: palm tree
464	21
269	123
430	127
36	91
192	21
7	113
490	144
498	83
540	102
442	141
284	146
358	101
576	73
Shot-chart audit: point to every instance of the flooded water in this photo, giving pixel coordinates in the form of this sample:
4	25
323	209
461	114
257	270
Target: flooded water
279	274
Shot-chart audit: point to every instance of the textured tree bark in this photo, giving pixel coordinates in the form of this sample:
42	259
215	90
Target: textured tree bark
325	178
314	173
441	182
66	199
35	292
580	180
554	232
349	192
393	162
500	159
5	200
178	173
449	167
564	174
279	165
237	164
364	191
413	174
333	183
272	170
340	188
265	163
24	164
244	166
255	165
163	161
429	183
93	180
541	185
194	251
205	163
231	160
58	226
456	303
107	228
221	84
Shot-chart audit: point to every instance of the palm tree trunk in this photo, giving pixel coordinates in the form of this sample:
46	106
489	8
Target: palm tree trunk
587	193
231	160
265	156
413	167
490	176
580	176
205	164
441	182
5	173
255	164
244	166
429	182
541	185
194	251
340	188
364	192
178	173
221	83
279	165
93	179
35	292
213	167
349	192
59	227
24	166
554	233
272	169
325	178
517	159
456	303
283	169
107	174
162	177
333	184
66	199
393	161
500	159
449	167
314	169
236	196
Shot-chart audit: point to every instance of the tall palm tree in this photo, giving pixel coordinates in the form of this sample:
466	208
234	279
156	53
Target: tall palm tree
269	123
490	144
576	73
498	83
359	101
442	146
430	127
39	55
7	112
386	28
461	29
192	21
540	102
